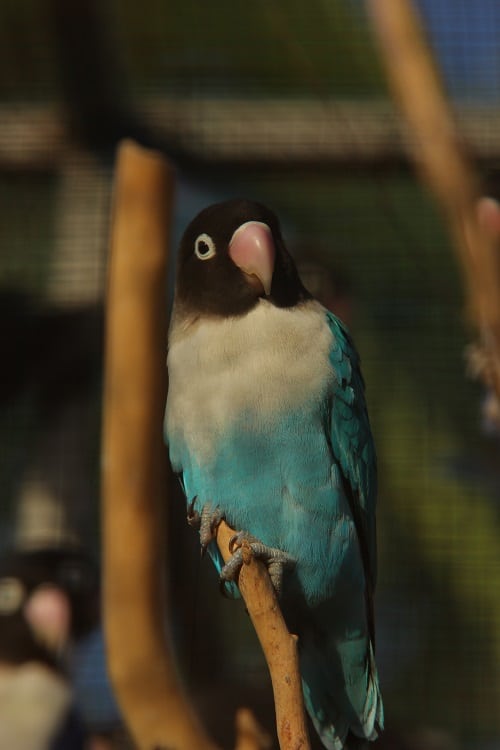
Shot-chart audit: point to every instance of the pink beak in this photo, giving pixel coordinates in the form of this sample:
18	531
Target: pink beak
252	249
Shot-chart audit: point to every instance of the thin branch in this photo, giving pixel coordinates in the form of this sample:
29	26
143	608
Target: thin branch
278	645
442	162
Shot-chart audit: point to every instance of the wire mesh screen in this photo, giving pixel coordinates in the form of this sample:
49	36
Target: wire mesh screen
286	103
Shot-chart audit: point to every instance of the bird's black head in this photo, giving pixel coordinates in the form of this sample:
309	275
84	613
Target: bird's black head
232	254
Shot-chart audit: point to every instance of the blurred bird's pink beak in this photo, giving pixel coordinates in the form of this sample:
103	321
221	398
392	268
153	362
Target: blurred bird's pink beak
252	249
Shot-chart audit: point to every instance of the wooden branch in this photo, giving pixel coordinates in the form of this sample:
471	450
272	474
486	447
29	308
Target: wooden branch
279	646
442	162
140	659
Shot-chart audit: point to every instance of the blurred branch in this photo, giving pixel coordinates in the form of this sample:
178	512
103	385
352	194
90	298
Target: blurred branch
278	645
134	478
443	164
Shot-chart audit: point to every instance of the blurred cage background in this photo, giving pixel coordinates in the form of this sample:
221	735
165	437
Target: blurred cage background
284	102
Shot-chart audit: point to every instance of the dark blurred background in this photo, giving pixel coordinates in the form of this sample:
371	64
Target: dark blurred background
283	102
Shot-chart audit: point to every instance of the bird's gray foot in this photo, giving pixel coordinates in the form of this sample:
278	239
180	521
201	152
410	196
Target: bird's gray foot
275	560
209	520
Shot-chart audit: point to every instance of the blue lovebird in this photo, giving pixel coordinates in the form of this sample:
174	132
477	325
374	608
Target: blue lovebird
267	427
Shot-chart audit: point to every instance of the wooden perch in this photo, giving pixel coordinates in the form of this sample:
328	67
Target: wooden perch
443	164
140	660
279	646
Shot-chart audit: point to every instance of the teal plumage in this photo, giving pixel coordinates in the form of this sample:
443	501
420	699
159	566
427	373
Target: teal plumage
266	420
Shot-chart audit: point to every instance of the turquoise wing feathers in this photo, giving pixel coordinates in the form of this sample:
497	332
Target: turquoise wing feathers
352	442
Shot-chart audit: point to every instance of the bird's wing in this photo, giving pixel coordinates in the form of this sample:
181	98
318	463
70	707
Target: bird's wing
353	448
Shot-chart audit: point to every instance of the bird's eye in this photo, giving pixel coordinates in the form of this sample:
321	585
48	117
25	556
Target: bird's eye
204	247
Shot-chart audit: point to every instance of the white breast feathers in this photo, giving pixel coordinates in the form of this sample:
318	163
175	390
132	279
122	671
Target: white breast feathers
249	369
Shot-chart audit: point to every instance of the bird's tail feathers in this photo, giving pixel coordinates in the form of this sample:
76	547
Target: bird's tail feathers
372	715
342	694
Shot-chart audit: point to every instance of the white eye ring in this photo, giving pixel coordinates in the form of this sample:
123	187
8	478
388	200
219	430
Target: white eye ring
204	247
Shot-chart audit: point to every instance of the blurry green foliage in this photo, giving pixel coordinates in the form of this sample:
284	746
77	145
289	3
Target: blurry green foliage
244	49
188	46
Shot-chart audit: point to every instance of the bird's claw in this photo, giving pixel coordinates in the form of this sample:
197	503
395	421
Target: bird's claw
209	521
243	547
